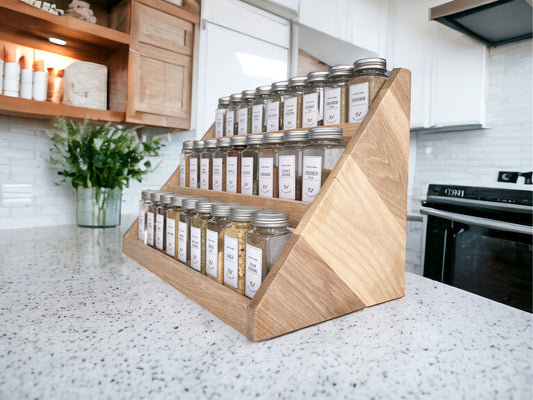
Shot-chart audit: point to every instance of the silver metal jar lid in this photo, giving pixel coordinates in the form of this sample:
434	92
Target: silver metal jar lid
297	81
156	196
204	206
254	139
243	213
190	203
262	90
273	137
280	85
295	136
146	194
237	140
187	145
235	97
210	144
223	101
177	199
340	71
165	198
370	63
317	76
325	132
248	94
222	209
223	142
270	219
198	145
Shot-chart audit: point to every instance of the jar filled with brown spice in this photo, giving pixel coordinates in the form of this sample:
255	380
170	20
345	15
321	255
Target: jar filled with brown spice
219	164
313	99
370	74
267	159
336	95
292	106
249	167
233	164
206	164
290	160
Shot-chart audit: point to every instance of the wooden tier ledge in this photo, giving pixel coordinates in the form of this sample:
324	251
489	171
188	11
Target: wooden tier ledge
348	250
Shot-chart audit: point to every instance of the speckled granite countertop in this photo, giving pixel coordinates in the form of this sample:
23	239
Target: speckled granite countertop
78	319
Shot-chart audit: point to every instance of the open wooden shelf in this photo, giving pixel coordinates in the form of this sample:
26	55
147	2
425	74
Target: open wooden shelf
348	249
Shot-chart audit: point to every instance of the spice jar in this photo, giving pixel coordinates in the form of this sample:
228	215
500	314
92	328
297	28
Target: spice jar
198	234
160	221
184	229
313	99
245	112
233	164
264	244
290	165
319	158
267	159
370	74
292	106
151	218
194	163
220	116
232	117
336	95
219	164
206	164
275	107
214	247
249	167
173	213
186	150
259	110
235	247
144	204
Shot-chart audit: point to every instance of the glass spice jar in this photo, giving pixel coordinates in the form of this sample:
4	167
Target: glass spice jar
264	244
144	204
267	159
173	213
292	106
194	163
370	74
232	116
233	164
160	222
249	168
290	161
336	95
151	218
206	164
259	110
186	150
198	234
214	247
319	158
275	107
313	99
184	228
220	116
219	164
235	247
245	112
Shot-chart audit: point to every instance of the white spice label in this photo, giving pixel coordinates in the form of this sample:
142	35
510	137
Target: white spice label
257	118
182	174
290	112
254	270
247	179
332	106
204	173
358	102
219	123
266	175
159	231
309	110
231	261
230	120
287	177
273	116
217	174
193	172
171	237
231	174
243	121
196	248
311	179
211	253
141	225
182	241
150	228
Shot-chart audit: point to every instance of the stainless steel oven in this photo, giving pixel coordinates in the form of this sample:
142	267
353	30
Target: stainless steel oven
480	240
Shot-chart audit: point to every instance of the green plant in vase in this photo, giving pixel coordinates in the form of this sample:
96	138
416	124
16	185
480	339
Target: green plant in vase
99	161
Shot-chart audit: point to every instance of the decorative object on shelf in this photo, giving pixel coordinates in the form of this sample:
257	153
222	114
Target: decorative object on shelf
99	161
55	85
40	81
81	10
85	85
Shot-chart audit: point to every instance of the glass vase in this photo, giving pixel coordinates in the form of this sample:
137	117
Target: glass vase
98	207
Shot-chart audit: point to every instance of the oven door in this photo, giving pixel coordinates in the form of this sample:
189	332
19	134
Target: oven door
488	257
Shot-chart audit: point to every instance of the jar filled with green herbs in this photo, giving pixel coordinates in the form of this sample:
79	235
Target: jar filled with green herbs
313	99
267	159
194	163
233	164
336	95
292	107
264	244
173	213
184	229
370	74
219	164
206	164
245	112
232	114
198	234
186	151
290	161
249	166
275	107
220	116
259	110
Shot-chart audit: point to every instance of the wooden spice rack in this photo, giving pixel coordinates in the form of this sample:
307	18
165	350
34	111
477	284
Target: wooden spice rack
348	249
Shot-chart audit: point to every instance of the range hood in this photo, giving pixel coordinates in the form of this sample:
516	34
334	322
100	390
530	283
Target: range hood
492	22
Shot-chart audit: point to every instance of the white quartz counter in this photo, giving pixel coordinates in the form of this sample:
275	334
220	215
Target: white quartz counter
78	319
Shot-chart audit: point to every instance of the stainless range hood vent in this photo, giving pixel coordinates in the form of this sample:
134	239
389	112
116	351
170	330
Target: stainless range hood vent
492	22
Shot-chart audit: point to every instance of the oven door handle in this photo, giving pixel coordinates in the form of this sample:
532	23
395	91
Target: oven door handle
478	221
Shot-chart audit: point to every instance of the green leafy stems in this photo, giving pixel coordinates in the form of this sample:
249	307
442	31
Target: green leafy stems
106	156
